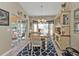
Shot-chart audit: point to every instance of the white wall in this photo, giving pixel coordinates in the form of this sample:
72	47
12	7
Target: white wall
74	36
5	34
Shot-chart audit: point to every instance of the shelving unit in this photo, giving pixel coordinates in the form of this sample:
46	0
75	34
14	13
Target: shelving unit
62	29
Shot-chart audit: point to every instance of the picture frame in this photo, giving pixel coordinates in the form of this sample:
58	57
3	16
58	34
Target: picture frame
65	19
4	18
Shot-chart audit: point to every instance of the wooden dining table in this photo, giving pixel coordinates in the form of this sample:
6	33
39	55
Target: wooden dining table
43	39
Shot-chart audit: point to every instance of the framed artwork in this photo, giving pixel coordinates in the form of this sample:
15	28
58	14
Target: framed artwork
65	20
4	18
76	13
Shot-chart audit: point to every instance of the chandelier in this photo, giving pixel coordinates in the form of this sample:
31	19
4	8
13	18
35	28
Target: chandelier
41	19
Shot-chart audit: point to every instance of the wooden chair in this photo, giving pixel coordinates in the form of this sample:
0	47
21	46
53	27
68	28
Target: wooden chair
35	40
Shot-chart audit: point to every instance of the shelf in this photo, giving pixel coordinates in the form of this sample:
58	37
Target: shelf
58	26
65	25
65	35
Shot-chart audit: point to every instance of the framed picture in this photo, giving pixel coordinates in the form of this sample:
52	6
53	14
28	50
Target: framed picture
4	18
76	13
65	20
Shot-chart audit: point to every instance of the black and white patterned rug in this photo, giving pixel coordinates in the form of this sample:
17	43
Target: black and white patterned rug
50	51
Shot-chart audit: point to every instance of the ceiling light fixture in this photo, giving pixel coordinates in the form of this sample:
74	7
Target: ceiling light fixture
41	19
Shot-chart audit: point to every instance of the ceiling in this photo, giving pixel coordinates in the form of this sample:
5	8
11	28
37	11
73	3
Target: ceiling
41	8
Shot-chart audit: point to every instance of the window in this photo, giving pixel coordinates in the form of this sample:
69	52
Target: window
77	27
76	13
35	27
65	19
44	28
76	20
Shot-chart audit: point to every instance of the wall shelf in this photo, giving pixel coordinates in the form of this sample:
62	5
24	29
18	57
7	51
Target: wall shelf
62	39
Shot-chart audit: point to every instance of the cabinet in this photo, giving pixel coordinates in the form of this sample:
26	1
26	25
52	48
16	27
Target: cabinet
62	30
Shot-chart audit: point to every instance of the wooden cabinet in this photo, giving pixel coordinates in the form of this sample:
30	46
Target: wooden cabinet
62	30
